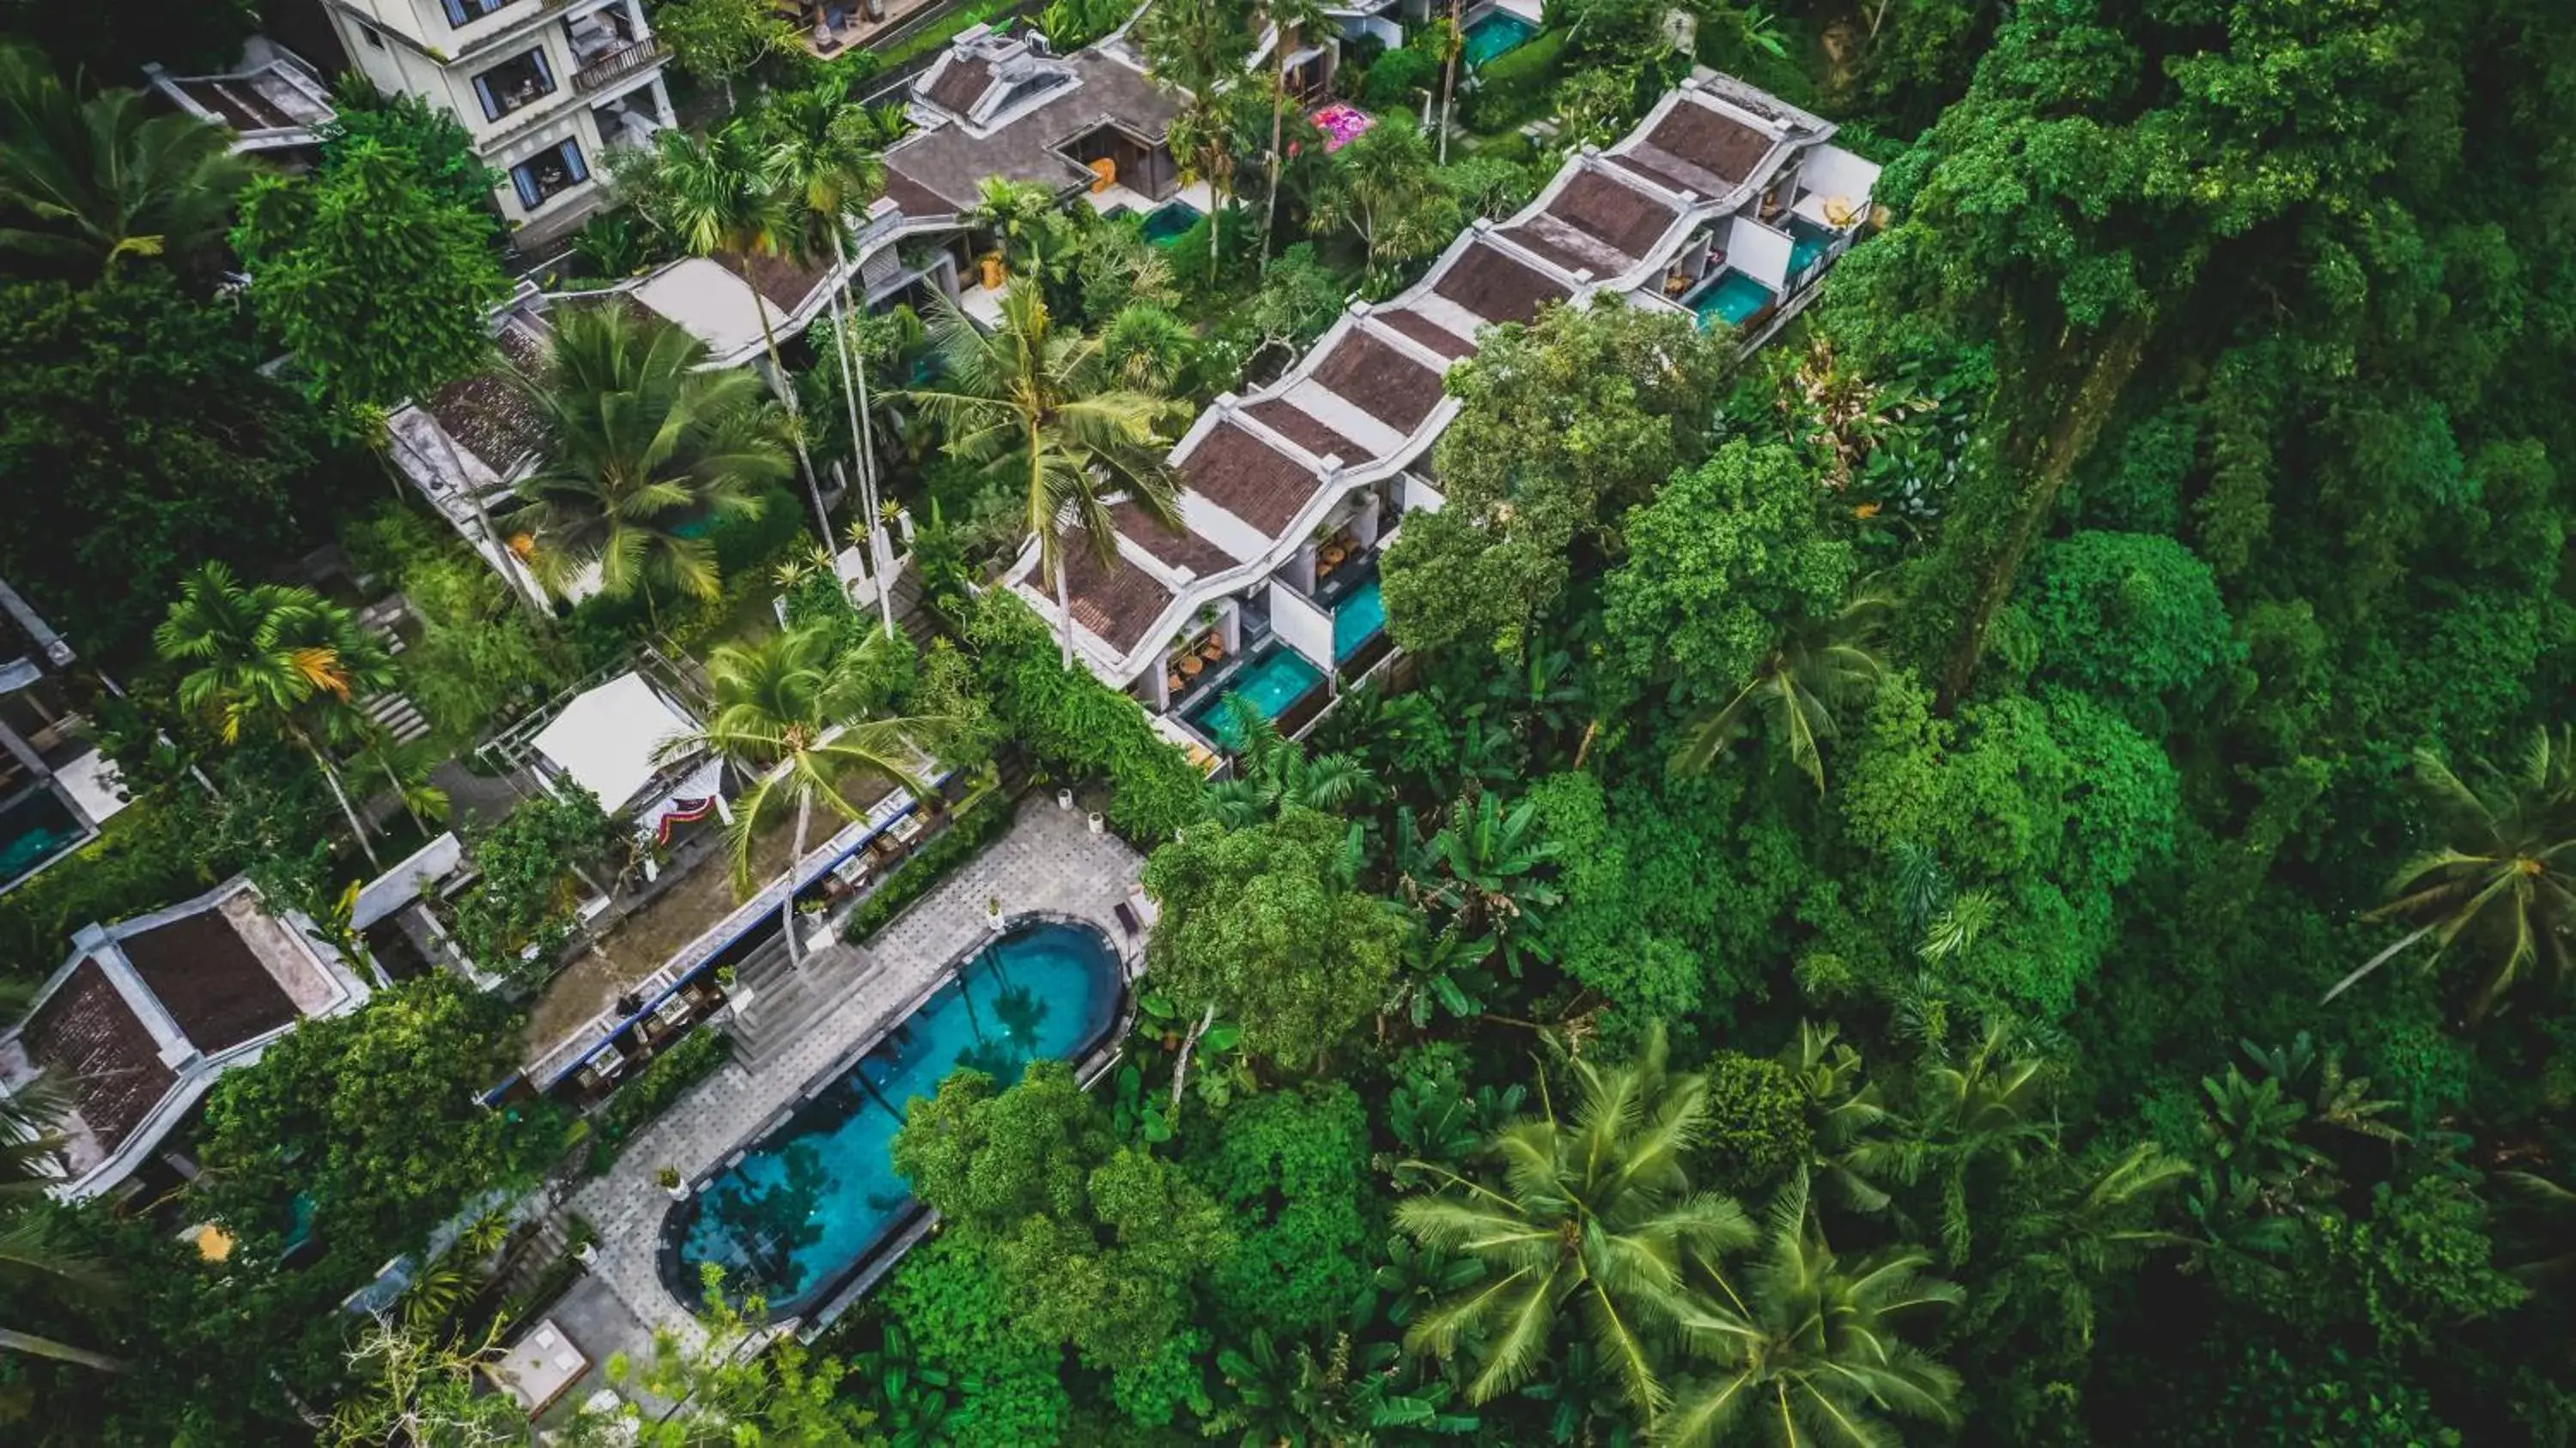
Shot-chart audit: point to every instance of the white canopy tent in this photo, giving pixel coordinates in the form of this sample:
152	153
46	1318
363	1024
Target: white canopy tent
609	740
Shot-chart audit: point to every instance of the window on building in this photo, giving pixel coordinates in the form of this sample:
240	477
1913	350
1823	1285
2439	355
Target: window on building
514	83
543	176
460	12
375	37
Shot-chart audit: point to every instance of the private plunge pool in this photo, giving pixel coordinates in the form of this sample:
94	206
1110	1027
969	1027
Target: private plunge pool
1491	34
817	1198
1272	683
1168	223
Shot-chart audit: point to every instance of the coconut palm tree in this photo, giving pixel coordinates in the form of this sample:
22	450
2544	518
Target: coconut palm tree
1035	405
87	183
274	658
1808	1351
1383	189
831	154
1987	1108
1198	47
1294	20
1023	217
726	194
1818	666
1595	1216
2499	885
788	713
640	449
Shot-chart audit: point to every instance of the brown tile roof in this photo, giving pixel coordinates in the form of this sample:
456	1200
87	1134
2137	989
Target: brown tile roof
88	1037
1306	430
206	977
1249	478
487	414
1379	380
1184	549
784	281
1497	287
1617	215
946	162
915	199
238	102
961	85
1117	601
1695	149
1428	332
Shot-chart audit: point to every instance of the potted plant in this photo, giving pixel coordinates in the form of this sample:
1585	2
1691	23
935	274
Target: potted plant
993	911
668	1178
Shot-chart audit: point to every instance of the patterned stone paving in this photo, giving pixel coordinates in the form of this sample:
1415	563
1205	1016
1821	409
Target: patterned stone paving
1049	861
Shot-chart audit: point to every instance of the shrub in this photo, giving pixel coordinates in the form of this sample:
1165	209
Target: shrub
1758	1116
1516	86
140	862
663	1082
1078	726
1396	75
978	824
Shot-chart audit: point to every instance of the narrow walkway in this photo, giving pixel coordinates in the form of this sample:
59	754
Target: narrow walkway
1049	861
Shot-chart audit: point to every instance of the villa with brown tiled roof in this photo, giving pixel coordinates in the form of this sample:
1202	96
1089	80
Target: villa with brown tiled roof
146	1013
1724	204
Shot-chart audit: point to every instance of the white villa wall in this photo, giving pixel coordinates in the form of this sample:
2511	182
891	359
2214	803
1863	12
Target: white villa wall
1759	252
1838	176
1301	625
1420	497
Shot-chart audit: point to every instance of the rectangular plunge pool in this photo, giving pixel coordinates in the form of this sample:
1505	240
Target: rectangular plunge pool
1731	298
1493	33
1272	683
1169	222
1361	616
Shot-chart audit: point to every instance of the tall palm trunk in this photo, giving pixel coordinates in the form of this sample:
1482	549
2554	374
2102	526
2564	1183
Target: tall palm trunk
1449	80
787	904
854	391
1063	606
30	1345
1278	138
331	777
786	387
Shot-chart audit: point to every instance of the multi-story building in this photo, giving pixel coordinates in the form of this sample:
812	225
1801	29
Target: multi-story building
55	786
546	88
1725	205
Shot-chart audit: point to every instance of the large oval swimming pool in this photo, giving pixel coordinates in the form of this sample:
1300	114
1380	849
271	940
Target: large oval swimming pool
817	1198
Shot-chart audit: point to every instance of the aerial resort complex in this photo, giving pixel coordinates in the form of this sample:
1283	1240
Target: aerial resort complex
943	724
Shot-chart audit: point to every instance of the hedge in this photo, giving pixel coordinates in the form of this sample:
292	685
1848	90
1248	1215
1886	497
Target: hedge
977	825
664	1081
1517	85
1077	726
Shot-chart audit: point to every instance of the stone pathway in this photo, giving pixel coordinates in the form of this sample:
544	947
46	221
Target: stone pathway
1049	861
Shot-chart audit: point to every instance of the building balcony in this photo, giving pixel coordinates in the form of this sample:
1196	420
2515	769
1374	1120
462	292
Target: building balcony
619	63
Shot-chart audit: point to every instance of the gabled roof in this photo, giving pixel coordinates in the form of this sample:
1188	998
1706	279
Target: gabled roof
148	1012
1026	108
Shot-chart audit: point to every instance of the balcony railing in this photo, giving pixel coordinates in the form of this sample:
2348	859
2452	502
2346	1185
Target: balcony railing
618	64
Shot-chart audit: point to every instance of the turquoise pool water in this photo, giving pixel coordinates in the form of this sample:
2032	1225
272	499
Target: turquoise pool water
1273	682
814	1199
1167	222
33	829
1731	299
1493	33
1804	247
1358	618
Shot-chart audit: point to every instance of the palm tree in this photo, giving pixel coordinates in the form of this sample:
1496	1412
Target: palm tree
276	658
1817	667
1596	1215
1988	1108
725	194
1030	403
1453	41
2499	877
1845	1121
1381	186
85	183
2076	1232
640	449
1273	772
1024	218
788	713
831	153
1809	1353
1293	20
31	1259
1198	48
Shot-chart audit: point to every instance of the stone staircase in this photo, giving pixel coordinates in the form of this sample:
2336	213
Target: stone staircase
393	714
785	1002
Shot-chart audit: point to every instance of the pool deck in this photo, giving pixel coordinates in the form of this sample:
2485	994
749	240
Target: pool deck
1049	861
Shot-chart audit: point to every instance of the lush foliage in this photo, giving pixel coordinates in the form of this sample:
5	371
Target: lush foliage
529	874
